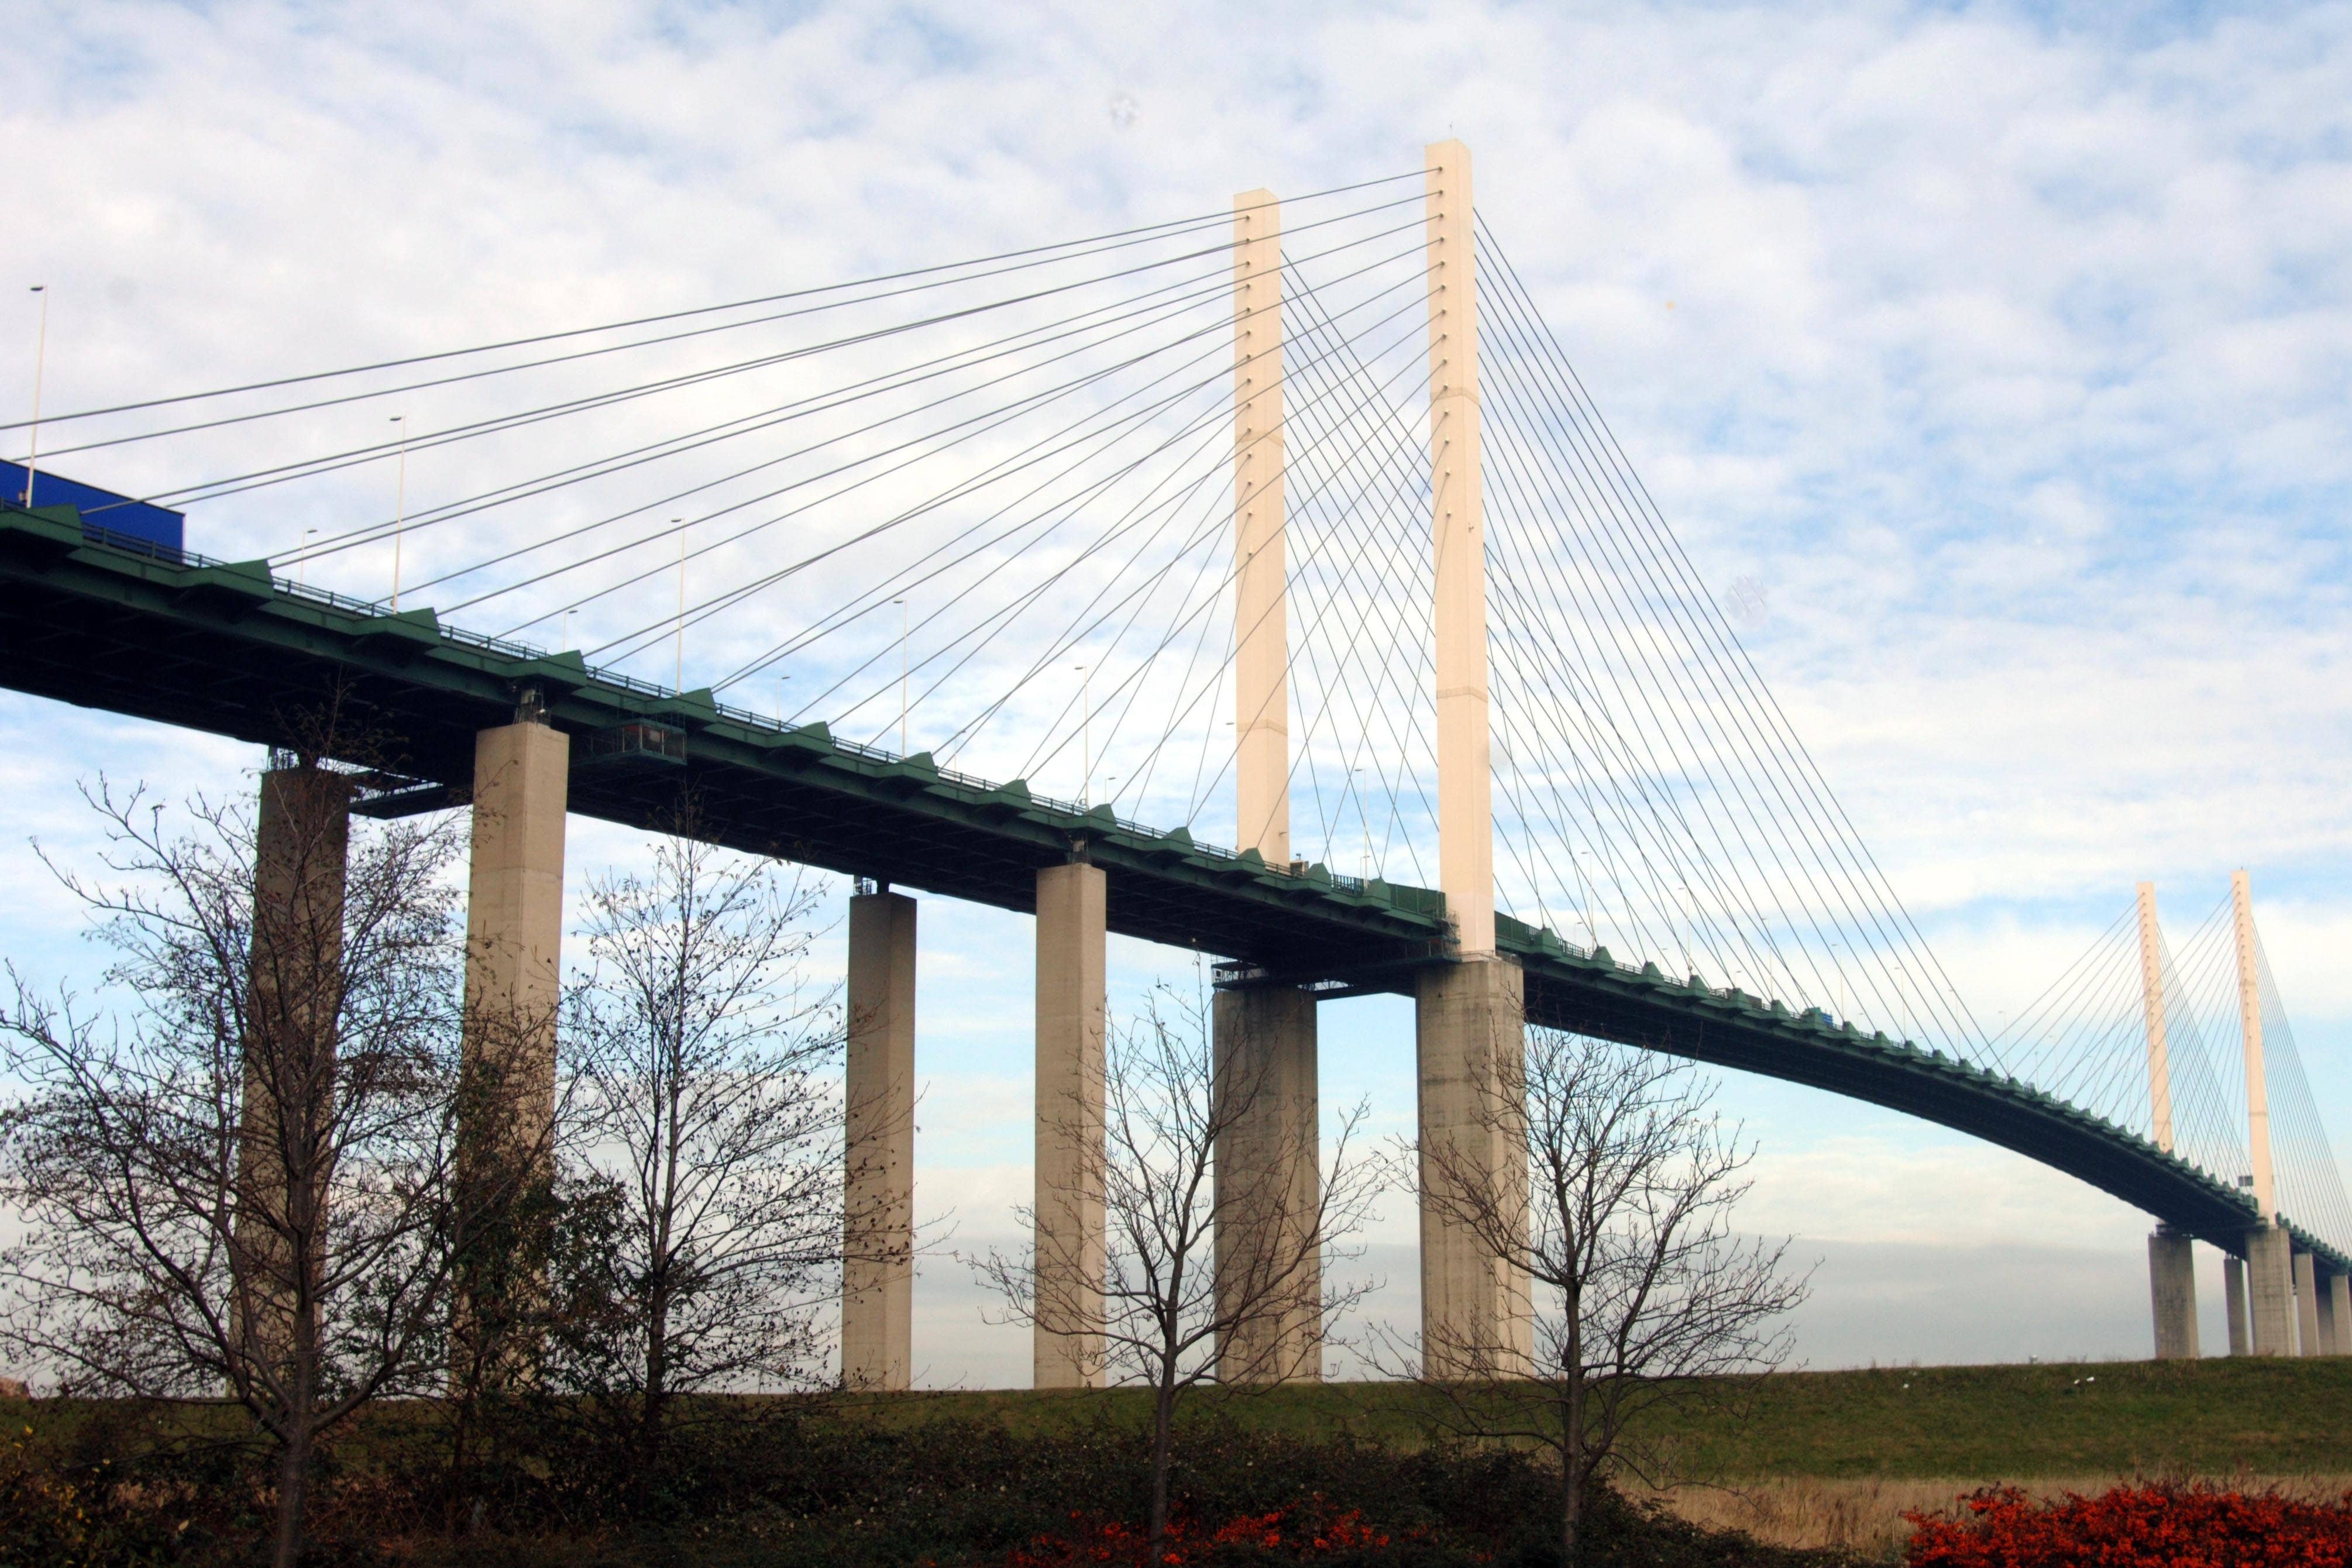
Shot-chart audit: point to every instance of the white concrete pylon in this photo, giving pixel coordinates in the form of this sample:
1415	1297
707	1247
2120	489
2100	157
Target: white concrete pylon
1262	654
1067	1342
2250	1024
2151	981
879	1241
1465	811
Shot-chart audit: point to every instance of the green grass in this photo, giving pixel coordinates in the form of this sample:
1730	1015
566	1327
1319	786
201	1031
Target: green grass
2215	1418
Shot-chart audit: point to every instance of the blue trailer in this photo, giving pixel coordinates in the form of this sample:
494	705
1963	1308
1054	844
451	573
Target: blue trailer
105	516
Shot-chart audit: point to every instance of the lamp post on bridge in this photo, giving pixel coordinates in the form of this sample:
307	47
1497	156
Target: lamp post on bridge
40	360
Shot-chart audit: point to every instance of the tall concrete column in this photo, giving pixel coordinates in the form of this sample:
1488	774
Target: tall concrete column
1268	1182
302	837
1068	1349
2339	1299
2270	1290
1470	1038
2331	1327
878	1296
1260	648
514	926
2151	992
2306	1304
1465	807
2172	1284
2250	1030
2234	1302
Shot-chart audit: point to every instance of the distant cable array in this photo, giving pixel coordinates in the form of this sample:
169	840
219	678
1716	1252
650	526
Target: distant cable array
985	509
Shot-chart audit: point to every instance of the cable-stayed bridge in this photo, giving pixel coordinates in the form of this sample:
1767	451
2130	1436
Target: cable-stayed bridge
1264	583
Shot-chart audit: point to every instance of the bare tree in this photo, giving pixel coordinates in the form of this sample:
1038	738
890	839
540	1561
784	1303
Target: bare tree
239	1179
705	1207
1182	1302
1642	1294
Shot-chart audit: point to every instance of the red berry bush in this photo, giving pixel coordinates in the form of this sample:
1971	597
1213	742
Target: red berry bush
2137	1527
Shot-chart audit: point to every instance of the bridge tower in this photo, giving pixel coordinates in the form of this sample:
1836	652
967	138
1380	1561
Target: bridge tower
1470	1029
1267	1159
2270	1265
2171	1258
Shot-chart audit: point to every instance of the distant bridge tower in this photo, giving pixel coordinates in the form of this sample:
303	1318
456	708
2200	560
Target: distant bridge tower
2271	1275
2171	1257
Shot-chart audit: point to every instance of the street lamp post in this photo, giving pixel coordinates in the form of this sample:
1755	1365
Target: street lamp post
399	508
40	357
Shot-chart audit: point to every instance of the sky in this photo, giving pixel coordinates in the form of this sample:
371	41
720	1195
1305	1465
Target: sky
1998	354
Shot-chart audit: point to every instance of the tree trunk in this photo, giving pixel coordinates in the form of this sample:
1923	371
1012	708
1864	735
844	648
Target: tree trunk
1572	1465
293	1487
654	1410
1163	1422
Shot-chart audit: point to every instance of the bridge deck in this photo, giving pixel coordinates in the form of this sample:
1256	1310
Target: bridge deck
225	648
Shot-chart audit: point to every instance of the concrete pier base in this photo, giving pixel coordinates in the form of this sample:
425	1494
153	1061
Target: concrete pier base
877	1293
2234	1302
1067	1348
2270	1290
1268	1263
1470	1034
2306	1304
2172	1288
2331	1327
2339	1299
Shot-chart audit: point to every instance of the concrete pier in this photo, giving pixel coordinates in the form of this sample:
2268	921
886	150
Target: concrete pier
2172	1283
2331	1325
514	923
303	839
2306	1304
2270	1290
1068	1349
878	1298
2234	1302
2339	1300
1470	1038
1269	1268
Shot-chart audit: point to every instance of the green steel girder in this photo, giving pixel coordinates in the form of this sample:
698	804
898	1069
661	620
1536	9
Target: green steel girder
225	648
1593	994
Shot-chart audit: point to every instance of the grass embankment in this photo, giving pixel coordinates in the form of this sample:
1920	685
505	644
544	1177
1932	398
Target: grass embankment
2219	1418
1819	1459
1836	1459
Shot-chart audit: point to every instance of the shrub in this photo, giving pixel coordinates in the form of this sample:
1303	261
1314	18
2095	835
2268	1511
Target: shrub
2137	1527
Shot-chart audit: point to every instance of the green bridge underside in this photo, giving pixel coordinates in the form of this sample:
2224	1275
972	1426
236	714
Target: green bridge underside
223	648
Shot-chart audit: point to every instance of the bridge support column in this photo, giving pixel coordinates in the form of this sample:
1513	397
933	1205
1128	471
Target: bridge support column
514	919
2339	1304
1268	1179
1068	1349
2172	1286
2331	1327
878	1294
1471	1040
2270	1290
2234	1302
2306	1304
514	930
303	838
